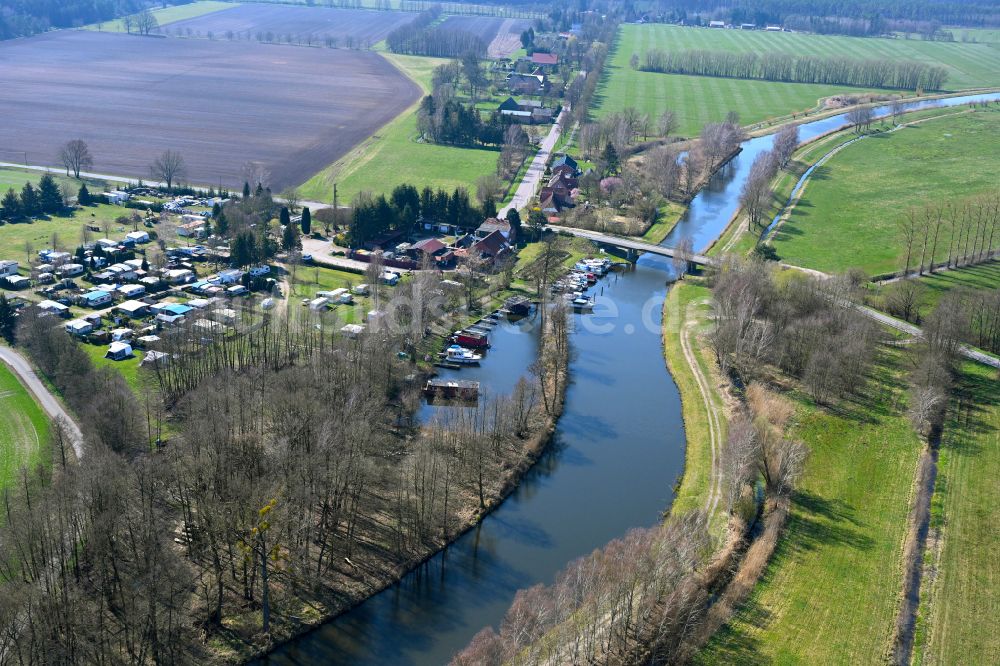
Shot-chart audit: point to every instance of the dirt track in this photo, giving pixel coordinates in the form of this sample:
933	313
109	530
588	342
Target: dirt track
219	103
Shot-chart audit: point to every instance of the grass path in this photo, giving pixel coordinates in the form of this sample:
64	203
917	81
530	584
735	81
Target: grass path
685	321
831	591
965	580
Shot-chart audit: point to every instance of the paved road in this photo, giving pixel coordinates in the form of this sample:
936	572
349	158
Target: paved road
630	244
536	170
312	205
20	367
906	327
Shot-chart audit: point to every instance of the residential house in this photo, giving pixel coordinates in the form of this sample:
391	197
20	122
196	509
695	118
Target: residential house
178	275
54	257
493	247
525	111
17	282
8	267
227	277
54	308
494	224
133	309
195	229
545	60
69	270
565	163
528	84
117	197
438	252
130	291
171	309
79	327
95	298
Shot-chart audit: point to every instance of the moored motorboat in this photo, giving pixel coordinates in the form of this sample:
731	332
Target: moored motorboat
461	356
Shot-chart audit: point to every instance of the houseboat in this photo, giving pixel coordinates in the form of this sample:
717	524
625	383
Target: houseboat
517	305
471	339
451	389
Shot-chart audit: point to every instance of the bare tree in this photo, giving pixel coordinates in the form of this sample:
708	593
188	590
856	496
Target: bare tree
756	194
255	173
683	252
667	123
146	23
785	143
75	156
909	228
291	197
168	167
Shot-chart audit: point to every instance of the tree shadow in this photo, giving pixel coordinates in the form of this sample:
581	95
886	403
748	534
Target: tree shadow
820	522
733	644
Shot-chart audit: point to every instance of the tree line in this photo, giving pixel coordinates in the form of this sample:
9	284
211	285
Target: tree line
294	475
19	18
373	215
44	199
853	17
908	75
423	36
967	227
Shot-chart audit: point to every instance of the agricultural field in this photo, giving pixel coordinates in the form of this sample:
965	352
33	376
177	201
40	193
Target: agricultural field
392	156
219	104
968	65
830	593
167	15
848	213
347	27
24	429
700	99
966	587
502	36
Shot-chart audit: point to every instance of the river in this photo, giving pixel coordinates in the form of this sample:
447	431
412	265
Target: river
618	449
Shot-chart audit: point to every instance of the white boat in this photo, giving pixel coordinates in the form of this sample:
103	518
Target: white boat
461	355
582	304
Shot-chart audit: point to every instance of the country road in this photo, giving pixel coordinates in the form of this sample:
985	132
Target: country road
125	180
536	171
22	368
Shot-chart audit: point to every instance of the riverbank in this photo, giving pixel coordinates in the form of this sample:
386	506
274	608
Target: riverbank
475	507
705	402
786	187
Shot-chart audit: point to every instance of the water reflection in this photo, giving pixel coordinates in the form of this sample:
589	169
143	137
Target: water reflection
619	446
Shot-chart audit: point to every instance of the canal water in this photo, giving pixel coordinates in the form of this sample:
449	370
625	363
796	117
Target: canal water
618	449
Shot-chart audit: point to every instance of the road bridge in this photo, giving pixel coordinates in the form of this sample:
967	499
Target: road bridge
633	245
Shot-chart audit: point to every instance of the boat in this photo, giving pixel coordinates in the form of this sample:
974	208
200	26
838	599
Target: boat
517	305
451	389
471	339
582	304
459	355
